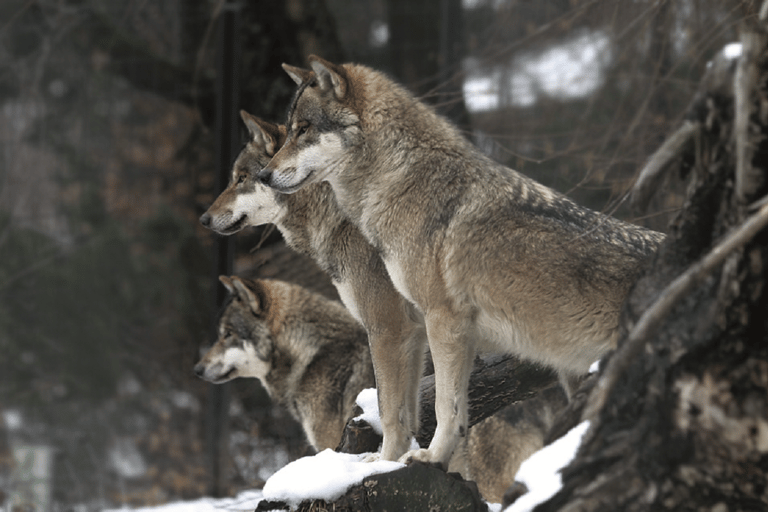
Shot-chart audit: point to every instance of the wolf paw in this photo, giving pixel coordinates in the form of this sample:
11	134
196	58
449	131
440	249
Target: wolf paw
372	457
422	455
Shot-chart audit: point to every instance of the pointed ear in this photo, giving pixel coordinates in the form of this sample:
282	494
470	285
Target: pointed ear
330	76
227	282
247	294
264	134
298	75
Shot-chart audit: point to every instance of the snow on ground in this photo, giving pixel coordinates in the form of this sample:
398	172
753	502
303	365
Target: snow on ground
245	501
326	476
541	471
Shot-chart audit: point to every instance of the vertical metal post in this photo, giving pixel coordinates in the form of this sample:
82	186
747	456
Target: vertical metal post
227	140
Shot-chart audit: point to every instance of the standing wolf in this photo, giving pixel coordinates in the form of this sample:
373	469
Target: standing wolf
483	252
312	224
309	353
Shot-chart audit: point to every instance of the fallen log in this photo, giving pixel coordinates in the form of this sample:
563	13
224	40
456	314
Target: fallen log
495	383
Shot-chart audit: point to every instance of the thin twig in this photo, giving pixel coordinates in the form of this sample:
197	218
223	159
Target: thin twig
653	171
651	319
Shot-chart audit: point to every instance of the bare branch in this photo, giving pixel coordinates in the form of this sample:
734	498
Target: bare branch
747	178
660	161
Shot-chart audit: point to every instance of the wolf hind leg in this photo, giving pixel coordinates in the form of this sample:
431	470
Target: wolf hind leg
453	351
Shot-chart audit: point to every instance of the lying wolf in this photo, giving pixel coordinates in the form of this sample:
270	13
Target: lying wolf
312	224
309	353
486	254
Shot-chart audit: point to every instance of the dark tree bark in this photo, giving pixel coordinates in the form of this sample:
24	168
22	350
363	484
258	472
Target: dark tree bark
414	487
679	417
494	384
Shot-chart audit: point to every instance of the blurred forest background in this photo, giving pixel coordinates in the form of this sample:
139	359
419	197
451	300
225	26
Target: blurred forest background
110	151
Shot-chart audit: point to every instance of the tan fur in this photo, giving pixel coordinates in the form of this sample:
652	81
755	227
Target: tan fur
312	224
494	449
482	251
311	356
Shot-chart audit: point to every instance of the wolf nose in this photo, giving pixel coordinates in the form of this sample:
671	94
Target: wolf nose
199	370
264	176
205	219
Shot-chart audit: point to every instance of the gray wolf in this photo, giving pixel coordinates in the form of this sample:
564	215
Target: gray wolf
491	258
309	353
312	224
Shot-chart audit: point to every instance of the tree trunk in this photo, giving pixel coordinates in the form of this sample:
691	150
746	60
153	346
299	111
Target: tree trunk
415	487
679	417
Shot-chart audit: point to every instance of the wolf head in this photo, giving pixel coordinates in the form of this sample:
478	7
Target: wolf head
322	125
244	346
245	201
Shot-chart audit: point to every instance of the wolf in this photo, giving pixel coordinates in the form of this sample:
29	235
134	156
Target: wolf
309	353
312	224
490	258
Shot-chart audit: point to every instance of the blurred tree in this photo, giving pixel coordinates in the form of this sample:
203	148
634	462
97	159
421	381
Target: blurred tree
426	47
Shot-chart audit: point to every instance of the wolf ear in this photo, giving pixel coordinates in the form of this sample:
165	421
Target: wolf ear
227	282
263	133
298	75
330	76
247	294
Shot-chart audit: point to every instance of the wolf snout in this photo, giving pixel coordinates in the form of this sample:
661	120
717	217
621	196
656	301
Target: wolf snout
199	368
265	176
205	220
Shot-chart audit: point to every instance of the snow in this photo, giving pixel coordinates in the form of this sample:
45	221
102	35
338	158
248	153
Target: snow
325	476
541	471
572	69
732	51
245	501
369	403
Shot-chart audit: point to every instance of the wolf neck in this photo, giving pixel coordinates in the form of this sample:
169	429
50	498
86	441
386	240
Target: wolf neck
309	217
396	128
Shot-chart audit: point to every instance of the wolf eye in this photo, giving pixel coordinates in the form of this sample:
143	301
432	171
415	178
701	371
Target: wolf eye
240	179
302	130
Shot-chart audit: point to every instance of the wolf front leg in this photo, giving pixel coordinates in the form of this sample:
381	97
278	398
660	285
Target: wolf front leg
453	351
398	362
